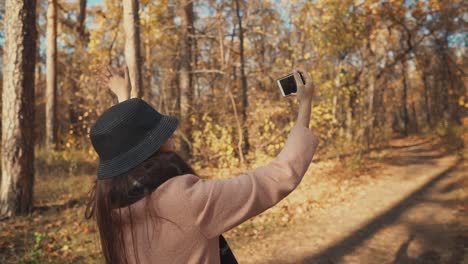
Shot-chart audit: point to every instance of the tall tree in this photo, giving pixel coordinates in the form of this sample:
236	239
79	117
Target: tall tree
185	76
132	45
18	108
51	74
78	43
245	102
82	18
404	97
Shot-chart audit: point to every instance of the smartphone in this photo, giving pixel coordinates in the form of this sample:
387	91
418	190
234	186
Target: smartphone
287	84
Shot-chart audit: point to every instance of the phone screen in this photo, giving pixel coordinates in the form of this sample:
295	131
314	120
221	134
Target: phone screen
288	85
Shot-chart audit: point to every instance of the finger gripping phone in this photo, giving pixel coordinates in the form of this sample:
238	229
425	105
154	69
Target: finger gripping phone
287	84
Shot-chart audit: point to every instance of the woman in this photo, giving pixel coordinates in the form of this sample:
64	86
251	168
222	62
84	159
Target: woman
149	204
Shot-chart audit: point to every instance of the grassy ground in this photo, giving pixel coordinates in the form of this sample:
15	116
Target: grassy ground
56	232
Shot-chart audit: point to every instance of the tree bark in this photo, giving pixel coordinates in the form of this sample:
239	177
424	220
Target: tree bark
239	128
147	61
185	76
404	99
350	115
75	107
18	108
245	102
51	75
81	20
415	126
427	106
370	108
132	46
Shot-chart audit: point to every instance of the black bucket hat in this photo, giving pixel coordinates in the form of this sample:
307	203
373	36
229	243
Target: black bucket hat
127	134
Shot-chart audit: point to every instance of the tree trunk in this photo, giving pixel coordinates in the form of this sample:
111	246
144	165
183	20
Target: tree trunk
147	62
81	20
404	96
76	102
245	102
239	128
451	94
18	108
415	126
379	105
427	106
334	106
185	76
51	75
350	115
370	108
132	46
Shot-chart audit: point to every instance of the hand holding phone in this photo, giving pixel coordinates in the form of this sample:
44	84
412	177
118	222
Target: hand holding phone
296	83
288	84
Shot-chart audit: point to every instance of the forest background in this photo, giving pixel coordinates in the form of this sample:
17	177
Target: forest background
382	69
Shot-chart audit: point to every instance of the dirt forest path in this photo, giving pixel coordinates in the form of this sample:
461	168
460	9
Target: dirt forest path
410	213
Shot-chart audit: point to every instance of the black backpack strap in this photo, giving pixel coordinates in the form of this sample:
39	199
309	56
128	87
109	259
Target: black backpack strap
227	257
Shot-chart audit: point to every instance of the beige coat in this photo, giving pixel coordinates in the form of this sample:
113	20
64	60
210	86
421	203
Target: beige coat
196	211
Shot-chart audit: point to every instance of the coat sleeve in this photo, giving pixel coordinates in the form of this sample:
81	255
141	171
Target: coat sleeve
216	206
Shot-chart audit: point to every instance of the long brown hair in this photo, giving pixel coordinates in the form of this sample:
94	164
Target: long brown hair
108	197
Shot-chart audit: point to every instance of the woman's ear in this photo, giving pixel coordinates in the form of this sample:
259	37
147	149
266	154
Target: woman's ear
166	146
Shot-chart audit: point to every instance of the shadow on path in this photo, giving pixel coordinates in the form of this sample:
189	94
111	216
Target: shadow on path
430	256
335	252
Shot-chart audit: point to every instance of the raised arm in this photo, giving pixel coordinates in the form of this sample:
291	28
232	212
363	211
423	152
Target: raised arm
215	206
